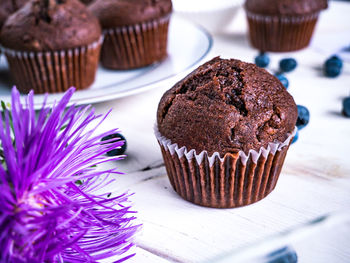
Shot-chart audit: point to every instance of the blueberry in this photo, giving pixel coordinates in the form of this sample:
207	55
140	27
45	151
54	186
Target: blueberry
334	61
283	80
262	60
288	64
333	66
332	71
283	255
303	117
119	151
296	136
346	107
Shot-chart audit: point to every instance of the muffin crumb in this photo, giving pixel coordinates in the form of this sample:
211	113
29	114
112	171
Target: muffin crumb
227	106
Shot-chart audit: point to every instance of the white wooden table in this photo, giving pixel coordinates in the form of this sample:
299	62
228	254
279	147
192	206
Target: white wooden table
315	179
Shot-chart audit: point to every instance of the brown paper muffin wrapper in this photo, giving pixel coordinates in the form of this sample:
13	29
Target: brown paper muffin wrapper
234	180
135	46
54	71
281	34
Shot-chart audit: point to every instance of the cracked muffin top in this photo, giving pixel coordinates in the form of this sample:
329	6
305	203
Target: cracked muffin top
225	106
47	25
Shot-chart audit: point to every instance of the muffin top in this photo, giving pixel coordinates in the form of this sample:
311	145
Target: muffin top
8	7
225	106
114	13
285	7
46	25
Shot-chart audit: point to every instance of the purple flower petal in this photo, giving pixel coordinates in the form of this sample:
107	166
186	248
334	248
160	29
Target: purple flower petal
44	215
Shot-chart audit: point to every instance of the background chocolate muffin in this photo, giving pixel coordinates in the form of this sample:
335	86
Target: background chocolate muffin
8	7
282	25
239	120
51	45
50	25
136	31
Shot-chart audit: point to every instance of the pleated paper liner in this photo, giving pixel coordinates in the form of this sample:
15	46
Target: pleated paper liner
281	34
54	71
135	46
234	180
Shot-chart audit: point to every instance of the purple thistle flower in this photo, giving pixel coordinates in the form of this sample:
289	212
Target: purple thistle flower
44	215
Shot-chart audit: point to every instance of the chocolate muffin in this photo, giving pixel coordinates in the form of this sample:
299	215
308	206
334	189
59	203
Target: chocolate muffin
135	31
282	25
224	131
52	45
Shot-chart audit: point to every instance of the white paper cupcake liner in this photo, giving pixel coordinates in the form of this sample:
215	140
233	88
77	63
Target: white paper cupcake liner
233	180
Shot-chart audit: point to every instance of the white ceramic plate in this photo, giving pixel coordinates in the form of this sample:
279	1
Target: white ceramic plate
188	45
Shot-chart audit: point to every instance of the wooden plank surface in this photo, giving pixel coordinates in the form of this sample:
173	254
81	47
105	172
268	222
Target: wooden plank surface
315	179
